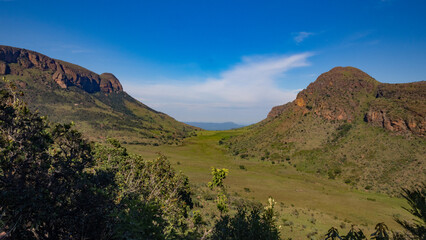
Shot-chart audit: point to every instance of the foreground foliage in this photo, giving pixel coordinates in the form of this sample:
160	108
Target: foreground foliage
46	188
245	224
54	184
416	198
154	184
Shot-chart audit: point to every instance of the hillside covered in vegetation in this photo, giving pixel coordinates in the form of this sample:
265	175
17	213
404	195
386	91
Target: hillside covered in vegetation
96	103
346	126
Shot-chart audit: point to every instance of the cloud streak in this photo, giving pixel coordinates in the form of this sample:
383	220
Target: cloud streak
243	94
301	36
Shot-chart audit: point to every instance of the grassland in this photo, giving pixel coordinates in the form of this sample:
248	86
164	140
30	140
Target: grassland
308	204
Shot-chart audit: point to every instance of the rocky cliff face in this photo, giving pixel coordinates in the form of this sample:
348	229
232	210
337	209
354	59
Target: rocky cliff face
399	108
347	93
16	60
337	94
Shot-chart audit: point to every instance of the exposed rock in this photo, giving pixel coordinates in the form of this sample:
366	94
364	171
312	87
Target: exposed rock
109	83
64	74
344	93
399	108
4	68
335	94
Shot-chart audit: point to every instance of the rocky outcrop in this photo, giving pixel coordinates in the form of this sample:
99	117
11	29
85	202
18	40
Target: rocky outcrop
64	74
399	108
336	94
344	93
109	83
380	118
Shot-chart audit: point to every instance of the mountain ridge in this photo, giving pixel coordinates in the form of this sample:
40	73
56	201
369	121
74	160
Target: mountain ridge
323	97
98	105
64	74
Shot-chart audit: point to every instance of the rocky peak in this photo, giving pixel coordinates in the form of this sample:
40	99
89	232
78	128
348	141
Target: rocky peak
16	60
345	78
338	93
346	93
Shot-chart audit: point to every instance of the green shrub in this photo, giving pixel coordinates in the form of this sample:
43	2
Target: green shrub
247	224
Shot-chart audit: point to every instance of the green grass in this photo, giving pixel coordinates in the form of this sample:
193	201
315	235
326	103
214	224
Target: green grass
319	202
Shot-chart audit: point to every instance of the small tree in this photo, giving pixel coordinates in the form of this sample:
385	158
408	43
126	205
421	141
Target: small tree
333	234
381	232
218	176
354	234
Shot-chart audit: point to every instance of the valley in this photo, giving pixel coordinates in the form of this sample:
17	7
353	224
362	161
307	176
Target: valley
338	155
306	203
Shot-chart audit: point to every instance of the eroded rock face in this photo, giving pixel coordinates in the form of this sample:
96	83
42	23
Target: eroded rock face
109	83
64	74
399	108
381	119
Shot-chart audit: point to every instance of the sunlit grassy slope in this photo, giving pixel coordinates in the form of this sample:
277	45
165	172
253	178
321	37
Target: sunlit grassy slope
308	204
98	115
346	126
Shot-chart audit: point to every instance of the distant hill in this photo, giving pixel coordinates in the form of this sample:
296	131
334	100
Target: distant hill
96	103
215	126
346	125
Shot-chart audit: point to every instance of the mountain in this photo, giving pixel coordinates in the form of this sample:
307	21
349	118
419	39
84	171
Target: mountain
96	103
348	126
215	126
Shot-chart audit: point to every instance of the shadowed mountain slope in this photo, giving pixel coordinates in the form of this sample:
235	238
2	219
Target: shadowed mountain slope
96	103
346	125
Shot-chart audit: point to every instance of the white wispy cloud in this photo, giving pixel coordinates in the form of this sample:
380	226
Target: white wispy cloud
243	94
301	36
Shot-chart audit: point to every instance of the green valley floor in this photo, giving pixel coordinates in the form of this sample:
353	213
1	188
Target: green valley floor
307	204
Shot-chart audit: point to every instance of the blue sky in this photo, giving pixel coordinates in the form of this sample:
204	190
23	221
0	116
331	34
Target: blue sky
226	60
